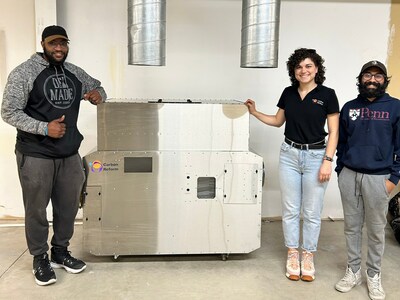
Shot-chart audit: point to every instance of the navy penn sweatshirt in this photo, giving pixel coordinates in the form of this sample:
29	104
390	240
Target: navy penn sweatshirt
369	137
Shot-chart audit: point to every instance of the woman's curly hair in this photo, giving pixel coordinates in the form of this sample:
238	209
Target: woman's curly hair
298	56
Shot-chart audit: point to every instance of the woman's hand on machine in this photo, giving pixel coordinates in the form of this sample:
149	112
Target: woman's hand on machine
251	105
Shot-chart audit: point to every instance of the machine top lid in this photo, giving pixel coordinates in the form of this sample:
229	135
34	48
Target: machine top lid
174	101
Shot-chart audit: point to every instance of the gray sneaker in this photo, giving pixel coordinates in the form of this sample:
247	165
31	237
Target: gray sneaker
375	288
349	280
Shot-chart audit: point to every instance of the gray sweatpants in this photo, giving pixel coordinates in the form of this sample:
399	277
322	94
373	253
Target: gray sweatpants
364	198
60	180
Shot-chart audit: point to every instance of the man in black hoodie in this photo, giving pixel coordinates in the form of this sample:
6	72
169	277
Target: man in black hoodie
42	99
368	167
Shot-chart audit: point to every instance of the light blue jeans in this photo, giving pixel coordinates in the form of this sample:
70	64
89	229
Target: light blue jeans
302	192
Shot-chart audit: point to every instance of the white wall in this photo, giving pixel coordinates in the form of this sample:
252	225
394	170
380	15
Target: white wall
17	43
203	58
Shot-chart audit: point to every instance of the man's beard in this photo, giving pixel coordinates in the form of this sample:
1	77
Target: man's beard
376	92
51	60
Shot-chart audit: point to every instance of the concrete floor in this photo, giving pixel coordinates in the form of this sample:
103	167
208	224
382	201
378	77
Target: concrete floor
258	275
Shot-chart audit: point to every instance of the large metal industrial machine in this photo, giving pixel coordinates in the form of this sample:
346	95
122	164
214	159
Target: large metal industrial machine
172	177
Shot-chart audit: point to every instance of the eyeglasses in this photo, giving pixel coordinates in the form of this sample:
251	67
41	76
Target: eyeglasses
378	76
54	44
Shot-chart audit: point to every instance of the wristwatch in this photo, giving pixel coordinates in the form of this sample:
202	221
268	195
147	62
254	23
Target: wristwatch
326	157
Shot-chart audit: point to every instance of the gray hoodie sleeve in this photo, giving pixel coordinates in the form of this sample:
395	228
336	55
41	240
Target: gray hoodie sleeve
15	97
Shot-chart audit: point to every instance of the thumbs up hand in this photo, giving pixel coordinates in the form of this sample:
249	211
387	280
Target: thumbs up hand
56	128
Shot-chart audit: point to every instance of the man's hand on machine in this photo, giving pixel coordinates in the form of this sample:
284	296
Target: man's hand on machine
93	97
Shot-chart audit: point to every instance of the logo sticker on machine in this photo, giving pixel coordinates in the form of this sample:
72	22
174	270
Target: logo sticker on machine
97	166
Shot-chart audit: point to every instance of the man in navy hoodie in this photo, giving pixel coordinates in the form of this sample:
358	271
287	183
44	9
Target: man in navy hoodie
368	167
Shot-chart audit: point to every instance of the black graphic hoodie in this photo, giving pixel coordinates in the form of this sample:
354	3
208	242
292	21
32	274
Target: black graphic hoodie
37	93
369	137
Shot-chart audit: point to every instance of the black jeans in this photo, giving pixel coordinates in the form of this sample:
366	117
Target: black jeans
59	180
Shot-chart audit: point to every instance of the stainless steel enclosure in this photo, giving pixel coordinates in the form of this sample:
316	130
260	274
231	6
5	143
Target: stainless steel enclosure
172	177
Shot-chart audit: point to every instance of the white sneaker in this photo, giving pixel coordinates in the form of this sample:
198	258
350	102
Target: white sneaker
349	280
307	266
375	288
293	265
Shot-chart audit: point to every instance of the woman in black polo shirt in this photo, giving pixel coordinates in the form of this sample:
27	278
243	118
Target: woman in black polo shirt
305	162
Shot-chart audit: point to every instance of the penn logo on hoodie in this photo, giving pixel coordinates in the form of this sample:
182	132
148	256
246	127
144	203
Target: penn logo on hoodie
368	114
354	114
60	91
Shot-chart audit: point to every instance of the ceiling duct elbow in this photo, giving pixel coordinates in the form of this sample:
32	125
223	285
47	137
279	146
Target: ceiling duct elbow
260	33
146	32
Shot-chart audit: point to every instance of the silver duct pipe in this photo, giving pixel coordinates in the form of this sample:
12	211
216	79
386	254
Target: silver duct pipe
146	32
260	31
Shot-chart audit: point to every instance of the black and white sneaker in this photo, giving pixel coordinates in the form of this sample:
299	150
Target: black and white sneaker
61	258
44	273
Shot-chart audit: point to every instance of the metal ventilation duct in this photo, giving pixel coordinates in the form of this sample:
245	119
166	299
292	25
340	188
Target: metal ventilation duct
146	32
260	31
